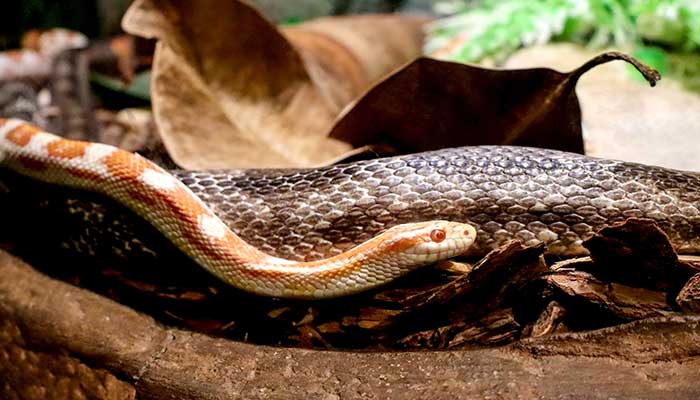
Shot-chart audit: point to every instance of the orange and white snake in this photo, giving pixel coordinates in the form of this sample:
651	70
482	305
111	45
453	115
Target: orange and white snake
182	217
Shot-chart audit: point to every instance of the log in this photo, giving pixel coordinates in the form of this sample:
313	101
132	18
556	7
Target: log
151	361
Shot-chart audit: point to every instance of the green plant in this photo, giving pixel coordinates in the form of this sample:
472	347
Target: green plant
496	28
653	29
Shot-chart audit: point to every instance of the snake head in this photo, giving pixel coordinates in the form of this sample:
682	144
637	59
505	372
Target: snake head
431	241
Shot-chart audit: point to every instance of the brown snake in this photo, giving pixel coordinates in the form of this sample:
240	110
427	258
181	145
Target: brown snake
533	195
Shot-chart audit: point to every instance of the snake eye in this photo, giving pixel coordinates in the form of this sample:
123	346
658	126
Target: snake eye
437	235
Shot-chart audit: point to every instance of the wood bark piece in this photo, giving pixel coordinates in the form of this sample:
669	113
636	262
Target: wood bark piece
549	321
470	304
625	302
472	308
496	328
163	363
502	271
637	253
689	297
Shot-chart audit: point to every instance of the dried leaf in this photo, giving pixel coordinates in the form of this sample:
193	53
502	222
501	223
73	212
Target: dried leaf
230	90
433	104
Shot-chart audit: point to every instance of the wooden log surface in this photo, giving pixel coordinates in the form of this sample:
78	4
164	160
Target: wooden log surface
127	355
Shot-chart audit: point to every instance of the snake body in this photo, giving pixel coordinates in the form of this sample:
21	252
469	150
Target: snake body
530	194
185	220
533	195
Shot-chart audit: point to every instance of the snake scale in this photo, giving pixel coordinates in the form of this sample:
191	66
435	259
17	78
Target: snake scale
533	195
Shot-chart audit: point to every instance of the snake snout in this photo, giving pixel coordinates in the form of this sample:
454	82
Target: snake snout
459	237
466	234
463	230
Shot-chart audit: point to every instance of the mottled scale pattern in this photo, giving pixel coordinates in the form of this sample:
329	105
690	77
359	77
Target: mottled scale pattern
509	193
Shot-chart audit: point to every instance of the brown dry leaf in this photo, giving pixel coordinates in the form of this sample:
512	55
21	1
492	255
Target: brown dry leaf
433	104
231	90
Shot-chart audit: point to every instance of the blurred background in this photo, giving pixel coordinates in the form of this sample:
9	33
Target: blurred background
663	33
45	78
102	17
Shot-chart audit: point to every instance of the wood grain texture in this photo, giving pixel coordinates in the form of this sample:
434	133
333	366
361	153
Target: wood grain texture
638	360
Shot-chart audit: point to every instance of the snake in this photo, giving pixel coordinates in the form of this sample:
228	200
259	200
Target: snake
192	226
506	193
